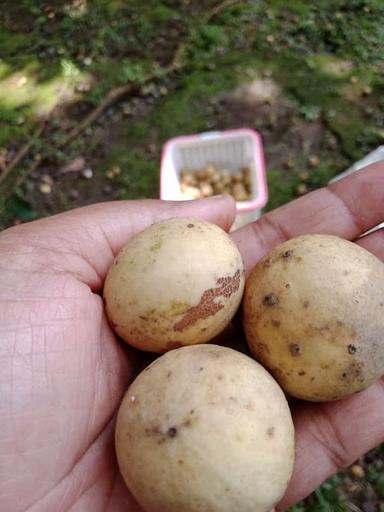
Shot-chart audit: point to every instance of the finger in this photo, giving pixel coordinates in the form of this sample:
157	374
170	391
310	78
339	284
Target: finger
374	243
332	436
346	208
84	241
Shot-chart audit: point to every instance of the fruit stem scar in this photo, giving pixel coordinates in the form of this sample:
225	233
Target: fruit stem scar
270	300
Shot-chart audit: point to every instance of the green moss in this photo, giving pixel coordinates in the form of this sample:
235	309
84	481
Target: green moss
282	187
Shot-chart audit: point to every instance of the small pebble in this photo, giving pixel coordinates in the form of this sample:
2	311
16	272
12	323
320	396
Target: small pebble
87	61
163	90
87	173
304	176
313	161
270	38
367	90
45	188
289	163
357	471
46	178
127	109
301	189
353	79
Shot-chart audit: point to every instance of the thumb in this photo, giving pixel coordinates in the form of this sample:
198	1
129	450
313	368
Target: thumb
97	233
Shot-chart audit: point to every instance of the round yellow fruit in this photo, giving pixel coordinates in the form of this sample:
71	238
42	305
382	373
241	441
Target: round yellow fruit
205	428
178	282
314	316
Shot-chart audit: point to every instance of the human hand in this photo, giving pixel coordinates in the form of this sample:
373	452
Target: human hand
63	372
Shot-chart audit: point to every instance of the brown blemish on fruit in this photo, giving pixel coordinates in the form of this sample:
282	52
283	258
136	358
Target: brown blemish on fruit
174	344
156	246
267	262
270	300
301	374
271	432
143	318
351	349
220	376
261	347
181	462
354	371
287	286
169	374
172	432
190	225
201	368
207	306
295	349
345	273
287	254
275	323
306	304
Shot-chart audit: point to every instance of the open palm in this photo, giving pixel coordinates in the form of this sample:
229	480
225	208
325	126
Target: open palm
63	372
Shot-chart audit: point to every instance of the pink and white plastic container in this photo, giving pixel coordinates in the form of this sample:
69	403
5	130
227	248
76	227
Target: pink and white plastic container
229	149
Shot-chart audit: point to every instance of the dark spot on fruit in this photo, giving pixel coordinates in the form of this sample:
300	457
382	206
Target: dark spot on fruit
116	262
201	368
143	317
220	376
192	411
295	349
339	323
270	300
172	432
287	254
298	259
186	423
301	373
352	349
181	461
344	375
203	329
312	379
267	262
271	432
381	304
113	325
169	374
190	225
275	323
306	304
233	399
357	301
227	489
287	286
345	273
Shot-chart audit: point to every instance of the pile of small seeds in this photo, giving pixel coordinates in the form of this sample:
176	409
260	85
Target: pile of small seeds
210	181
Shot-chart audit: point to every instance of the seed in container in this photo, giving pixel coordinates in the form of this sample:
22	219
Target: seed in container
210	180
